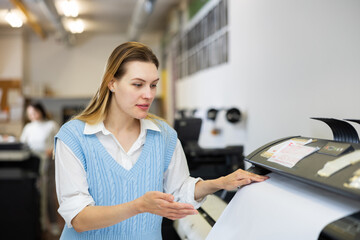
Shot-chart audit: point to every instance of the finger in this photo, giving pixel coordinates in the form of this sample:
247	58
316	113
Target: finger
166	196
183	212
178	215
253	176
243	182
180	206
258	178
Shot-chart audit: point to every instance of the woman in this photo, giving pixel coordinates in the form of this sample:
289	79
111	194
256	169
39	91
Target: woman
120	169
39	134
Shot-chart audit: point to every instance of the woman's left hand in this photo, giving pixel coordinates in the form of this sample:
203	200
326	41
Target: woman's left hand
240	178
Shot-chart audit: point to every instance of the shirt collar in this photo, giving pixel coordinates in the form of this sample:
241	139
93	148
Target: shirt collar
145	124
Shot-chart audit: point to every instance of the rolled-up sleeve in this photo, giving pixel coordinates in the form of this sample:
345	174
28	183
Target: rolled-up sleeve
71	184
177	179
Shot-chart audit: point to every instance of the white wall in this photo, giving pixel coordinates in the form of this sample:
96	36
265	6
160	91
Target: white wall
71	71
289	60
11	55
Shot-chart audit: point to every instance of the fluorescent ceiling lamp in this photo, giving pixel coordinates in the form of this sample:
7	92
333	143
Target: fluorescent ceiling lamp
70	8
13	19
76	26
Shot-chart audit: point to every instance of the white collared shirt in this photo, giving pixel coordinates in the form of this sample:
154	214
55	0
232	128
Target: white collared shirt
71	184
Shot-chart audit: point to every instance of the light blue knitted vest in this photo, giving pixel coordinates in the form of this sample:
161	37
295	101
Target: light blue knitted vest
111	184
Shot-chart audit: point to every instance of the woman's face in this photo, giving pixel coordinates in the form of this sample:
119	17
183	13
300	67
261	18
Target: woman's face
135	91
33	114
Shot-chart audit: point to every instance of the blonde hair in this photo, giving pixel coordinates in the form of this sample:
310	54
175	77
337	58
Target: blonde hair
97	109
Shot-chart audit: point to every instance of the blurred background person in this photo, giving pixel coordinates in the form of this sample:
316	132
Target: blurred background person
39	134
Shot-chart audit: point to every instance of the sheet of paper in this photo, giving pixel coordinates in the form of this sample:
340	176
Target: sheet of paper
277	147
292	153
280	208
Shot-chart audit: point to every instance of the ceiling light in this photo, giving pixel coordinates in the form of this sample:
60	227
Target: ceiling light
13	19
70	8
76	26
148	6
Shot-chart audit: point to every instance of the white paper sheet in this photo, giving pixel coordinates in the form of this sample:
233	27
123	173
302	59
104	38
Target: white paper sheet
280	209
291	154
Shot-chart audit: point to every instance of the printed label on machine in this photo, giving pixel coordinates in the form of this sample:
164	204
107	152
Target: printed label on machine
290	154
277	147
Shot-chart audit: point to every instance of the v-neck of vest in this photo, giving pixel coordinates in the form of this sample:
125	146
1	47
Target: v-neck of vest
139	163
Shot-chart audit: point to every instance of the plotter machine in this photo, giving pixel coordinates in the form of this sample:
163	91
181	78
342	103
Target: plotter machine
313	191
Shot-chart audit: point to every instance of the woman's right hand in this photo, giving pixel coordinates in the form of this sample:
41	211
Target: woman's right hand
163	204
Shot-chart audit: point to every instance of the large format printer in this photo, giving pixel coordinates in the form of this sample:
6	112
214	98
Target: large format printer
313	191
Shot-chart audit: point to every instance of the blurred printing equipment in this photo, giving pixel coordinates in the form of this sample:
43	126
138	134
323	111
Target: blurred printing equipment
206	163
19	204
